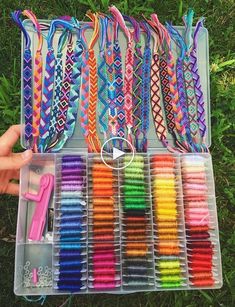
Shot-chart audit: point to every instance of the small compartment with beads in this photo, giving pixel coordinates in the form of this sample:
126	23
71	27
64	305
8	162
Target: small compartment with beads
69	267
137	266
104	267
33	269
168	215
31	176
103	210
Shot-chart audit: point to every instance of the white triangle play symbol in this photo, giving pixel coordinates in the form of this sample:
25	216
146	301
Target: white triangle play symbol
117	153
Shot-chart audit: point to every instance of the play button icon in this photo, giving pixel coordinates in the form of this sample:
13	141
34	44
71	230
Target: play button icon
114	153
117	153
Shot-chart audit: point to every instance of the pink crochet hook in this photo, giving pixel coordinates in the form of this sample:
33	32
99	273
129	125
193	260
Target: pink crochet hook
42	201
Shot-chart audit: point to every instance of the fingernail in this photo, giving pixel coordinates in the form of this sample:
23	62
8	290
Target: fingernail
26	154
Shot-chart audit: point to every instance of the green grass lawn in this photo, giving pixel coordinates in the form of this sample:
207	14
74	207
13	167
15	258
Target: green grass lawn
220	21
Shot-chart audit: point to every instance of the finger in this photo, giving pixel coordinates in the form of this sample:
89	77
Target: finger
12	188
15	174
15	161
8	139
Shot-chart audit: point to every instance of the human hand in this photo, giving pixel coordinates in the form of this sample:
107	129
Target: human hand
10	162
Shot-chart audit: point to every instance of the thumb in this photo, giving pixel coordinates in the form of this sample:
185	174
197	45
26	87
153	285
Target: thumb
15	161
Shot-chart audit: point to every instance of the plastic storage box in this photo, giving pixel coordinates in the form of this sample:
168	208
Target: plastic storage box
43	255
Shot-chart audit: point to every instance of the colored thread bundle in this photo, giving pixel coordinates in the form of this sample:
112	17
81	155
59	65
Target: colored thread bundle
70	225
103	274
168	249
137	271
197	220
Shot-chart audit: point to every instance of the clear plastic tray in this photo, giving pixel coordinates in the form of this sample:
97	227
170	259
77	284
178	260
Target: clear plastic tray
42	254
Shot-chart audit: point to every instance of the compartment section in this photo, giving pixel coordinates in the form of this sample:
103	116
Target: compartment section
70	267
135	200
103	211
70	226
204	260
104	268
36	202
136	217
33	269
169	232
137	266
104	234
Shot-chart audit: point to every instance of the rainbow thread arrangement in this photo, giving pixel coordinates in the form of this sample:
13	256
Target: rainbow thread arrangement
148	226
70	265
198	221
104	264
170	257
106	93
136	225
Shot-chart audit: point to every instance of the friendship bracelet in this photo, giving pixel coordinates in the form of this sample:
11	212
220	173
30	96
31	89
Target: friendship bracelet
37	78
118	102
93	139
102	81
27	81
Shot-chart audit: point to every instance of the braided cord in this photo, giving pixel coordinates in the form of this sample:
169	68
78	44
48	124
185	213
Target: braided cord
128	77
27	81
159	72
146	74
37	89
102	107
48	88
197	82
85	94
27	93
109	57
191	100
58	87
47	98
74	98
93	139
175	73
119	88
182	96
37	96
160	128
65	91
137	94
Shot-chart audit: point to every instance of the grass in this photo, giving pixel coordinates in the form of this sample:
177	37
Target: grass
220	16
